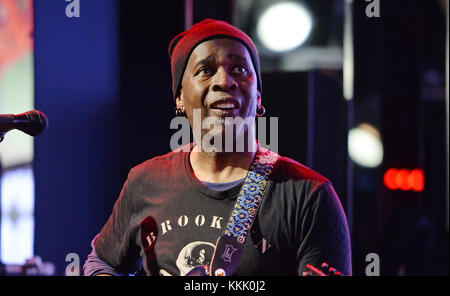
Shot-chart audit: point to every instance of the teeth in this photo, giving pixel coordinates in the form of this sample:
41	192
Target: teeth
224	105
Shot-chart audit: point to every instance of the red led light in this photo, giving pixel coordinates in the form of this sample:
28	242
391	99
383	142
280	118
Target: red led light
389	179
404	179
417	180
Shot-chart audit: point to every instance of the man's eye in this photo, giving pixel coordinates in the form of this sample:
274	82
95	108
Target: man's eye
205	71
240	69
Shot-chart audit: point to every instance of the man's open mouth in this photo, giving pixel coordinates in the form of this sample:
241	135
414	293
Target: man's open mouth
225	105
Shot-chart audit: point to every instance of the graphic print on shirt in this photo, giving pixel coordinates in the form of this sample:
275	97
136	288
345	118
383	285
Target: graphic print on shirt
196	228
193	254
197	236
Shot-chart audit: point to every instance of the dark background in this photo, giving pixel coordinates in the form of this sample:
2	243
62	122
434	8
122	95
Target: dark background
104	82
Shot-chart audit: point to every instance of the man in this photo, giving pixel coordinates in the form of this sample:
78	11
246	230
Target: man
173	208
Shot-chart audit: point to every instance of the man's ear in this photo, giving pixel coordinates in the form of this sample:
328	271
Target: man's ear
258	98
179	101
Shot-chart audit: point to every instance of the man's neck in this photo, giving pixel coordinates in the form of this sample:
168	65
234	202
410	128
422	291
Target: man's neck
221	167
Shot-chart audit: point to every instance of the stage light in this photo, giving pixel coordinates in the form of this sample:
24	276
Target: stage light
364	146
284	26
417	180
403	179
389	179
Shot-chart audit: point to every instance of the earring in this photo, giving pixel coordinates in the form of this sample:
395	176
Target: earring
260	111
179	112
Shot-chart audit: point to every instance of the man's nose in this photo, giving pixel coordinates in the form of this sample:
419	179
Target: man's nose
223	81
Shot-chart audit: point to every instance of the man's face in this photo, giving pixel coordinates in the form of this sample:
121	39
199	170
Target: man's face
220	81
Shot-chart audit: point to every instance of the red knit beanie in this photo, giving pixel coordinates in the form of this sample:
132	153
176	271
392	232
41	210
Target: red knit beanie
182	46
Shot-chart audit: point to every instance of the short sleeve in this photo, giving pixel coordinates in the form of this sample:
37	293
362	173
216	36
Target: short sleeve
324	232
116	243
94	265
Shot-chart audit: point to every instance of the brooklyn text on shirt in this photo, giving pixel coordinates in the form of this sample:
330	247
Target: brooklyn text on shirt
184	220
216	222
224	134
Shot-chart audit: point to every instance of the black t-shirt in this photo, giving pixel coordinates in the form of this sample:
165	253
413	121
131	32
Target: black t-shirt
168	220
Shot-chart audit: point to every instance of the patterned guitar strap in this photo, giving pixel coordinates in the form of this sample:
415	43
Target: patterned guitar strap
230	245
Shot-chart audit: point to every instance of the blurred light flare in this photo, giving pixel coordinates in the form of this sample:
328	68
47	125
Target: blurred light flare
364	145
284	26
403	179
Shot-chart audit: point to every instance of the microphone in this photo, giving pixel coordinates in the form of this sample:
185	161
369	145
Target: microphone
32	123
